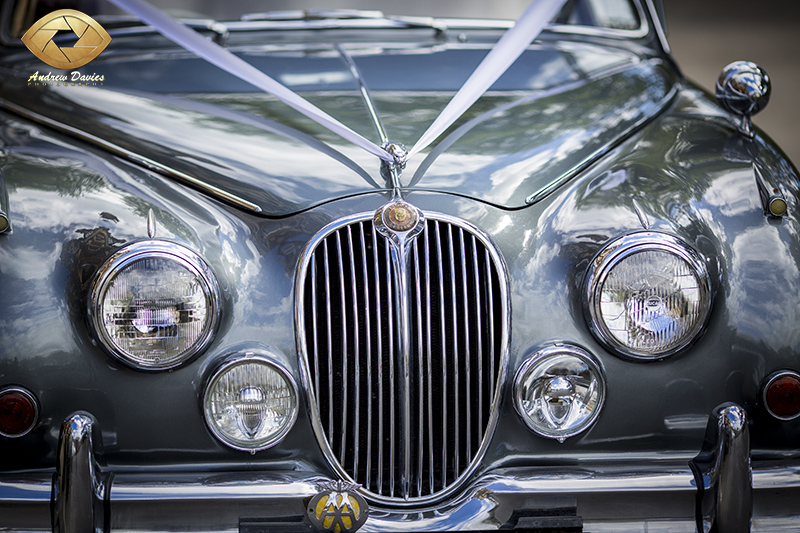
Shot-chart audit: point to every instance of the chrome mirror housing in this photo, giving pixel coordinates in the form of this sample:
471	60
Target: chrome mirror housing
743	88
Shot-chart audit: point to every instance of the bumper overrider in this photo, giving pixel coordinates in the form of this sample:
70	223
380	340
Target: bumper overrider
718	491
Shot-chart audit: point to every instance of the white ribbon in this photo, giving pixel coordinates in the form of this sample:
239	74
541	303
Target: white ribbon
219	56
510	46
503	54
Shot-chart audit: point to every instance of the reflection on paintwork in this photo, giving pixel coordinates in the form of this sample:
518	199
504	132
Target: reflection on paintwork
762	262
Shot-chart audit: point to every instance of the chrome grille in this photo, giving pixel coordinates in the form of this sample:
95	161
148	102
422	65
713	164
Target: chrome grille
349	342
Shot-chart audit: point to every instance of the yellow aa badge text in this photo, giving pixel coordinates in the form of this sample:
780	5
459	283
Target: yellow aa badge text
92	39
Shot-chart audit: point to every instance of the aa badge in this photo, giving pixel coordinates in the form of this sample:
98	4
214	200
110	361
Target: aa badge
338	508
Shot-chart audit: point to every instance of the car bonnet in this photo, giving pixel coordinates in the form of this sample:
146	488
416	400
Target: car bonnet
558	108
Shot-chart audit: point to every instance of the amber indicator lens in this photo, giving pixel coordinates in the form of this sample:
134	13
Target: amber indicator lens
18	413
782	396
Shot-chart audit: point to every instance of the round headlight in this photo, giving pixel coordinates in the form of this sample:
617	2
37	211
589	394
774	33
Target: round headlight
559	391
648	295
154	305
250	404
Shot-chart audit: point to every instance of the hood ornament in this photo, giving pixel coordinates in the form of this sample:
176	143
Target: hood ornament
398	220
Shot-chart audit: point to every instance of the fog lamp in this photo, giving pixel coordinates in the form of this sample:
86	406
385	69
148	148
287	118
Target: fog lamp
648	295
781	394
560	391
250	403
154	305
19	412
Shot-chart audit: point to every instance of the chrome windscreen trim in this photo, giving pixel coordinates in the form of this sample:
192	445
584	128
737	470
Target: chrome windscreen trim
502	300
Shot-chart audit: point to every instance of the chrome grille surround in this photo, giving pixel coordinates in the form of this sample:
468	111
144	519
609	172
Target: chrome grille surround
356	319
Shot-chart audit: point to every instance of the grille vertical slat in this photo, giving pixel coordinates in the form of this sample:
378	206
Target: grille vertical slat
346	357
467	355
356	349
316	329
368	338
330	336
429	361
391	359
478	332
378	365
443	460
456	351
420	373
455	298
490	298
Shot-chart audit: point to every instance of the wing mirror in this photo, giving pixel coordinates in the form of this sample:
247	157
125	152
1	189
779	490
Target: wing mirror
743	88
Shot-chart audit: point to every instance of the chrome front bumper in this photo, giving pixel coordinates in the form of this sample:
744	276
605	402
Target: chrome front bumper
720	491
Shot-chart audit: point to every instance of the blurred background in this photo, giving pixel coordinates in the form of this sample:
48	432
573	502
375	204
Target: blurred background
706	35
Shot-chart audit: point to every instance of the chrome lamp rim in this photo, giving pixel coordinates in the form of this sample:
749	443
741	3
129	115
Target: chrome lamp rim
242	359
136	251
552	351
623	247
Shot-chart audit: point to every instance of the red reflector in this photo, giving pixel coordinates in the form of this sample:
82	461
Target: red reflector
782	396
18	412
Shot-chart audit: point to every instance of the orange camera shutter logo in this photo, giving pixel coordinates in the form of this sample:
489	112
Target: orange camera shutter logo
92	39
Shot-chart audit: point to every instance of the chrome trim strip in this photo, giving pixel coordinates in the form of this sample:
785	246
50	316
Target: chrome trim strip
149	164
662	35
178	253
603	150
494	261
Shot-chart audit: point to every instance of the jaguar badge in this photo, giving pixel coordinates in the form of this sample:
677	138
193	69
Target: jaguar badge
338	508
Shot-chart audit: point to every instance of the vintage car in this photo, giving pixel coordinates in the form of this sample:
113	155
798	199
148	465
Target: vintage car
241	293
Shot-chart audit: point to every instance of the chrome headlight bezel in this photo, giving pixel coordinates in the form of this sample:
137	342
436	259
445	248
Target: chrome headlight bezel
547	356
623	248
164	250
224	368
